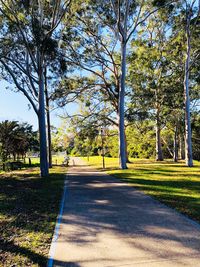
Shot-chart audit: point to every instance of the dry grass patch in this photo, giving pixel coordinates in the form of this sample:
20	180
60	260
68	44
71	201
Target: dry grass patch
28	209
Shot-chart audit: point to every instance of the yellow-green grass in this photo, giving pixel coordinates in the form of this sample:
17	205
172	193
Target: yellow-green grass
28	209
97	161
56	160
172	183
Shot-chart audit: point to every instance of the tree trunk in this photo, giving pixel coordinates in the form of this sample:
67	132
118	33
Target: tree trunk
127	159
122	150
44	168
175	145
159	155
188	132
181	149
49	138
48	123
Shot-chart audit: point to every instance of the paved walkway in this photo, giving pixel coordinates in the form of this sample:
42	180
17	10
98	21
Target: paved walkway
107	223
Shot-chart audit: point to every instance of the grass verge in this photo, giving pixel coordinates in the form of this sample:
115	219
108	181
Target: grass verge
56	160
174	184
28	209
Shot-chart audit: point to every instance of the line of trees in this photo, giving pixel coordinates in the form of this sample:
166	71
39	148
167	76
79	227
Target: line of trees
156	76
124	60
16	139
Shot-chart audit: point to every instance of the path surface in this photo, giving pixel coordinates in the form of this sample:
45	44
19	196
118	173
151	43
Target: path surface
107	223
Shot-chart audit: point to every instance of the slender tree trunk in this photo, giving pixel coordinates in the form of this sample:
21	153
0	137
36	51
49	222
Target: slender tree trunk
122	150
103	149
126	149
168	148
188	132
175	144
159	155
44	168
48	123
181	149
49	137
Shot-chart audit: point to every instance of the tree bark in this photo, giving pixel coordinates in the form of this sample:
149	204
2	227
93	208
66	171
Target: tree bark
48	123
188	132
175	144
181	149
44	168
122	150
127	159
159	154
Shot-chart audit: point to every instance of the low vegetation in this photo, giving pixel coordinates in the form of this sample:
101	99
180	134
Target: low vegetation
171	183
29	206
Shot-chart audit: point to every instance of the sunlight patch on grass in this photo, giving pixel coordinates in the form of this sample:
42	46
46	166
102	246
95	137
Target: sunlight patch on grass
171	183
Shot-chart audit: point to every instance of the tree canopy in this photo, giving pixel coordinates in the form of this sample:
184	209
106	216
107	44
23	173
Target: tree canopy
131	66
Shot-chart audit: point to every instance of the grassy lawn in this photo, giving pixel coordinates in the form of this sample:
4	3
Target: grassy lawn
28	209
96	161
56	160
35	162
171	183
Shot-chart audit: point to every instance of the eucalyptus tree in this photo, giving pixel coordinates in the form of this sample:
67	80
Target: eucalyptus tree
184	57
195	123
192	10
100	44
30	31
128	17
152	75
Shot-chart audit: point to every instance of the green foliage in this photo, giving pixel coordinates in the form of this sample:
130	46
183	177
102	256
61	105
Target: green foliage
111	143
16	139
83	60
141	140
196	136
61	139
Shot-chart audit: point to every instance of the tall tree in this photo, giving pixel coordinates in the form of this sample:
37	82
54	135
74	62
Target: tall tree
128	16
190	14
102	37
31	30
16	139
151	75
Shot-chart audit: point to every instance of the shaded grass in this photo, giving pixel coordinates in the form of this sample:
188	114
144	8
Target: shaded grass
35	162
28	209
172	183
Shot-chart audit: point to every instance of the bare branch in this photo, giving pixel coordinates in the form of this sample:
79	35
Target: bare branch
20	88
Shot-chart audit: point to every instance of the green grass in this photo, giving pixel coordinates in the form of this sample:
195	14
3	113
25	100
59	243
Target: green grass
96	161
56	160
35	162
171	183
28	209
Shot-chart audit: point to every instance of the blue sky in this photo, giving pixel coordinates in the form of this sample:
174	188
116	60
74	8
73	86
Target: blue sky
15	106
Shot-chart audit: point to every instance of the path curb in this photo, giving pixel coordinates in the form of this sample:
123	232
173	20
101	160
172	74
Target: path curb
57	227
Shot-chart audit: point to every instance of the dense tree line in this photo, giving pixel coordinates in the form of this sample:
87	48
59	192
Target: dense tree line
161	90
130	65
85	139
16	139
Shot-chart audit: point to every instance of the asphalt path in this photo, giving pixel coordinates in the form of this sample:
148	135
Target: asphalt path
107	223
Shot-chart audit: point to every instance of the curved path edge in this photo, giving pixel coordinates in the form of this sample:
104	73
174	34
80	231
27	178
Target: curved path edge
104	222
